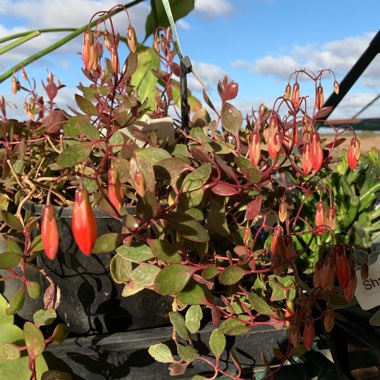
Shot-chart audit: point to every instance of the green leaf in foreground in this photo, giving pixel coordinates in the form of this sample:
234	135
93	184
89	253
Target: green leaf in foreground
161	352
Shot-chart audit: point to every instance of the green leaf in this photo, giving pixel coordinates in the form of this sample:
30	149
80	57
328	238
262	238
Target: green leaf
107	242
10	220
259	304
164	251
37	245
170	168
34	339
136	253
188	227
233	327
178	321
217	343
60	333
161	352
34	289
88	129
197	178
12	245
153	155
193	318
253	175
73	155
145	274
44	317
4	317
210	272
231	275
143	80
172	279
86	106
232	118
282	287
9	351
187	353
138	164
9	260
194	294
16	302
56	375
120	269
179	8
199	377
131	288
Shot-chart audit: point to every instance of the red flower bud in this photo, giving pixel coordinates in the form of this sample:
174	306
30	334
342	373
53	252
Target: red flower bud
331	217
305	160
296	95
294	334
349	291
316	152
274	144
139	183
342	267
308	333
320	218
290	251
15	85
131	39
336	87
254	148
283	211
83	222
353	153
328	273
49	232
87	47
328	319
317	274
115	191
319	99
288	91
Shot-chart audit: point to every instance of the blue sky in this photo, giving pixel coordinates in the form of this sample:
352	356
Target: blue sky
257	43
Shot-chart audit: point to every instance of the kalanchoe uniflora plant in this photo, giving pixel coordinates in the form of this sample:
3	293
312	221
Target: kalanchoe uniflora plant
242	221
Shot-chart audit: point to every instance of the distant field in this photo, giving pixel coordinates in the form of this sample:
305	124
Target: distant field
368	140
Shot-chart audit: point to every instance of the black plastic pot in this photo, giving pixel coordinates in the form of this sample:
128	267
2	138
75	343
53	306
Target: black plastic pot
125	355
91	302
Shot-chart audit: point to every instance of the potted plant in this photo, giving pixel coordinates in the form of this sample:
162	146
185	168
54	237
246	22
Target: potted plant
234	221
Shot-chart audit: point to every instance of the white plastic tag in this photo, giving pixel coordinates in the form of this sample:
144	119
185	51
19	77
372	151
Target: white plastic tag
368	292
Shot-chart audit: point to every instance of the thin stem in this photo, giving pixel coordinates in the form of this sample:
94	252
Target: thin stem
20	41
61	42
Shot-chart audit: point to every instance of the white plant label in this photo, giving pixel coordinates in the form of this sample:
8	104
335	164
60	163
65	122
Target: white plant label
368	291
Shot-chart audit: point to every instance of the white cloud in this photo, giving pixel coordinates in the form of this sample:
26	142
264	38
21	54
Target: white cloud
209	73
339	56
213	8
183	24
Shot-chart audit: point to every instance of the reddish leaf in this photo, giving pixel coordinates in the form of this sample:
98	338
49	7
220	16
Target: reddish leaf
253	208
225	189
335	143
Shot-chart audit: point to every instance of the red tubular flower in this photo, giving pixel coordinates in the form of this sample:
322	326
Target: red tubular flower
336	87
320	220
294	334
331	217
274	144
83	222
296	95
283	211
316	152
88	49
115	191
49	232
254	148
290	250
308	333
353	153
288	91
139	183
319	99
317	283
328	319
305	160
278	250
349	291
342	267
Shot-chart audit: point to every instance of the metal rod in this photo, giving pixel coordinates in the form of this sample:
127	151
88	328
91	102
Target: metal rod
356	71
366	106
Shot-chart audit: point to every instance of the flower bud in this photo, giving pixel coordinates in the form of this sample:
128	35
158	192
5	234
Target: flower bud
254	148
336	87
328	319
115	191
320	218
353	154
331	217
283	211
131	39
15	85
319	99
296	95
305	160
87	47
317	274
316	152
308	333
288	91
139	183
294	334
349	291
274	144
290	251
342	267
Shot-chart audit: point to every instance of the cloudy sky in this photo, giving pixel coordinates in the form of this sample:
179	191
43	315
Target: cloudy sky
257	43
